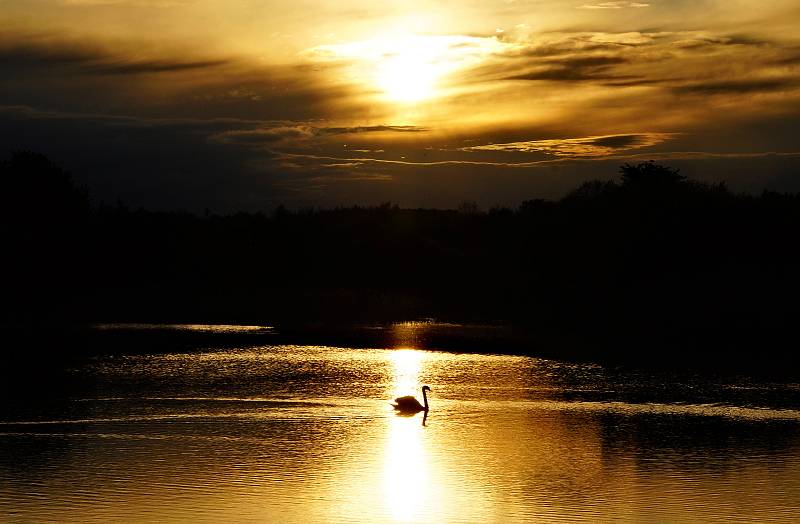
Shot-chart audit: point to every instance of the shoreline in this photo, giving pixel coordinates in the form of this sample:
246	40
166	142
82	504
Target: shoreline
62	344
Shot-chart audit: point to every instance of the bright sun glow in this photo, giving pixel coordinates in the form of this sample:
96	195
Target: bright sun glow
407	77
408	68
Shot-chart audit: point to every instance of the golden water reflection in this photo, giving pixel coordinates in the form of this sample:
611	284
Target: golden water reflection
406	365
406	471
406	476
306	434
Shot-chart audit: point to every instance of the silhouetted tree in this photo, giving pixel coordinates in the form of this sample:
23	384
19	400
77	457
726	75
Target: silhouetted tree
591	190
650	174
44	220
469	207
34	188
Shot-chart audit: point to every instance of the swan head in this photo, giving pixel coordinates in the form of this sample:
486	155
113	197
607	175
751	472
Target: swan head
426	388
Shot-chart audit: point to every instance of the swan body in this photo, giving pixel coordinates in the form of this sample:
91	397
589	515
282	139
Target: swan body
409	404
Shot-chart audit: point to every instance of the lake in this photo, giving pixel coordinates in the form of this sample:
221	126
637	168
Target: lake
300	433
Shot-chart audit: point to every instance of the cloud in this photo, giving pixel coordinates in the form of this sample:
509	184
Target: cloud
24	54
591	61
792	59
22	112
575	68
371	129
612	5
150	66
633	81
125	158
138	3
562	74
593	146
57	71
263	136
755	85
629	38
158	163
179	127
578	57
30	55
296	134
595	71
306	164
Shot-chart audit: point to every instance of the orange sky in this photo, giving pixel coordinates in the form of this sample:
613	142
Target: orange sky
245	104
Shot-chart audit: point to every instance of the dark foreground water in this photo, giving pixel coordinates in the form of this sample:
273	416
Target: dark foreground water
306	434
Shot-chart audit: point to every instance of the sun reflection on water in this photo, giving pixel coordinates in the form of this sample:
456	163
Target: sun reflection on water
406	475
406	364
406	470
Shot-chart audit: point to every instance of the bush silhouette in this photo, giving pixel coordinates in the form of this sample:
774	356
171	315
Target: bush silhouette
649	174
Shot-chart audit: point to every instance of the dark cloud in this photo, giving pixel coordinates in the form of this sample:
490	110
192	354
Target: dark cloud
613	5
622	141
748	40
29	54
567	74
792	59
152	66
557	48
263	136
737	86
266	136
575	68
209	125
577	58
372	129
187	163
635	82
153	164
590	61
57	73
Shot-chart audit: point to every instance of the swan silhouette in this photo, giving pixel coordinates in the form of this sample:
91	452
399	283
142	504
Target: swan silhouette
409	404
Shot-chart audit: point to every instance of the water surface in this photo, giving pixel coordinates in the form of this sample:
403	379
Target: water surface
306	434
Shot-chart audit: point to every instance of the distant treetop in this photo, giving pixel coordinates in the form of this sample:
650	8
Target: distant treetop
651	174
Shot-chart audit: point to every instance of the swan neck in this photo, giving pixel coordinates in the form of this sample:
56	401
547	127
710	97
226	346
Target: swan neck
425	398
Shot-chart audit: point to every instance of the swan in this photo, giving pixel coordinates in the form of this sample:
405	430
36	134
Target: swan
409	404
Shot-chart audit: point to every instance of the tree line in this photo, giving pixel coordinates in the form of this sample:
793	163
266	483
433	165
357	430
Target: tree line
650	262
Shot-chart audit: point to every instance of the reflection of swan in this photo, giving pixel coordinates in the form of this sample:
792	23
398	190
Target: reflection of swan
409	404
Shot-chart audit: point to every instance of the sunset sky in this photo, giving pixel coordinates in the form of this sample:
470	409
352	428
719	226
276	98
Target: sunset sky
246	104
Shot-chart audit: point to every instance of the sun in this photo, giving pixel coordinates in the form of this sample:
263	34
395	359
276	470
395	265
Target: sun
407	68
410	72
